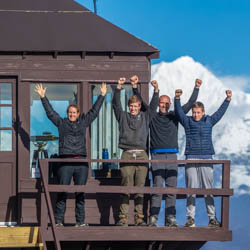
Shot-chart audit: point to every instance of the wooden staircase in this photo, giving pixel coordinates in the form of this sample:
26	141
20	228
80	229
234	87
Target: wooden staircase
20	237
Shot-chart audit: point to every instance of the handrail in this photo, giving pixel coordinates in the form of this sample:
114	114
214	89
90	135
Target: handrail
224	192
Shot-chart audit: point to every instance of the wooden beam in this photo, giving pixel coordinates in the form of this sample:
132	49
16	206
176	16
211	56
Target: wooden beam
21	237
132	233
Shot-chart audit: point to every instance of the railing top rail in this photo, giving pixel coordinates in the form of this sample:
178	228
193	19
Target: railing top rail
225	162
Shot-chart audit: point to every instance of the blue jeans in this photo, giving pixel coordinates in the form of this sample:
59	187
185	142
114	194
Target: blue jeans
79	172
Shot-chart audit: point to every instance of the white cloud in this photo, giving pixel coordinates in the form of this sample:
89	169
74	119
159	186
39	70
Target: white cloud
231	135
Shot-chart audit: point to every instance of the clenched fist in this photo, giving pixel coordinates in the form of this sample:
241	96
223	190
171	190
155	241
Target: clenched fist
198	83
178	93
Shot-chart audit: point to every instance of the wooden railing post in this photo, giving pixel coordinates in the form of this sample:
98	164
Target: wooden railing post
225	199
44	178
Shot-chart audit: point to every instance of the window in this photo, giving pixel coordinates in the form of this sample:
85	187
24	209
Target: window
6	116
43	133
105	131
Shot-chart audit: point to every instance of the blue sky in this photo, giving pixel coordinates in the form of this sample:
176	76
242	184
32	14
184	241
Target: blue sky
213	32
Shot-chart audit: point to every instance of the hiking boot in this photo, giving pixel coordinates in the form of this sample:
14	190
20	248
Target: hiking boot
170	221
59	224
213	223
152	221
123	220
139	220
189	222
81	224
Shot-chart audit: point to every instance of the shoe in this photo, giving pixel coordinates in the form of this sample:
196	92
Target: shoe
80	224
59	224
139	220
213	223
152	221
170	221
189	222
123	220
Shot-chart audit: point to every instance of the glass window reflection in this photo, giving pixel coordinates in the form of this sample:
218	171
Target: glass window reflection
105	131
5	140
5	117
43	133
5	93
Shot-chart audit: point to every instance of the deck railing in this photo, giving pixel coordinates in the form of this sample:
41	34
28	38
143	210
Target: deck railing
46	206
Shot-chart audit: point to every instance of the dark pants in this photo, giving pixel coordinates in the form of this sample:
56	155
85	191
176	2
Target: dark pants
164	172
79	172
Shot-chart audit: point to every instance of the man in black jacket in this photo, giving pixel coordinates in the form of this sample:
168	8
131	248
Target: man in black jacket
72	144
164	146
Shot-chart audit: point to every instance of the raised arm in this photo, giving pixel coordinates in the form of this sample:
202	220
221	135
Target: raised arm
152	107
50	112
94	111
178	109
222	109
116	102
186	107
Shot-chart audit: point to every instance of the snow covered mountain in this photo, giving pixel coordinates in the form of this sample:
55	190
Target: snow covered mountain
231	136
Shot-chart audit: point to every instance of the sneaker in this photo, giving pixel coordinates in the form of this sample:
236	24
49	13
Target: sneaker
189	222
123	220
80	224
59	224
213	223
171	222
152	221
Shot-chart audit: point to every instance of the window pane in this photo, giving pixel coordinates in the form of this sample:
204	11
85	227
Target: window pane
44	134
105	131
5	140
5	93
5	117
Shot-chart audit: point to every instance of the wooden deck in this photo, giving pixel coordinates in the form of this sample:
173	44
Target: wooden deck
151	238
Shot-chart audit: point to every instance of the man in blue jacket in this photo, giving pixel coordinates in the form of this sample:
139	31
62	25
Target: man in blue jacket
198	129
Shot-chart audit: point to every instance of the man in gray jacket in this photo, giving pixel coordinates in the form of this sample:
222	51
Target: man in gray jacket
134	129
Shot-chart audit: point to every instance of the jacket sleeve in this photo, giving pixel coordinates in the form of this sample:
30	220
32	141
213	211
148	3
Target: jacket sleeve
50	112
94	111
186	107
116	103
154	104
181	116
144	105
220	112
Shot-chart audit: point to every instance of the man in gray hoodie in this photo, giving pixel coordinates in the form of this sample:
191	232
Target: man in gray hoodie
134	129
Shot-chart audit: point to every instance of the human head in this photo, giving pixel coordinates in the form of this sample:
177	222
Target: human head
73	112
164	103
134	104
198	111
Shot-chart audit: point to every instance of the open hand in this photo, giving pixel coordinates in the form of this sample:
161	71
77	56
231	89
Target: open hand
40	90
103	89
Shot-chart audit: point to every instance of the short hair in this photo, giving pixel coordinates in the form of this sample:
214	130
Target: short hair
73	106
199	105
134	99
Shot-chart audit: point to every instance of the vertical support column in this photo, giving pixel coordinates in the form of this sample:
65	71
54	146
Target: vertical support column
44	215
225	199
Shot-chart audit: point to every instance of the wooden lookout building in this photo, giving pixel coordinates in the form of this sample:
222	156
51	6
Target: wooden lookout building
72	51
